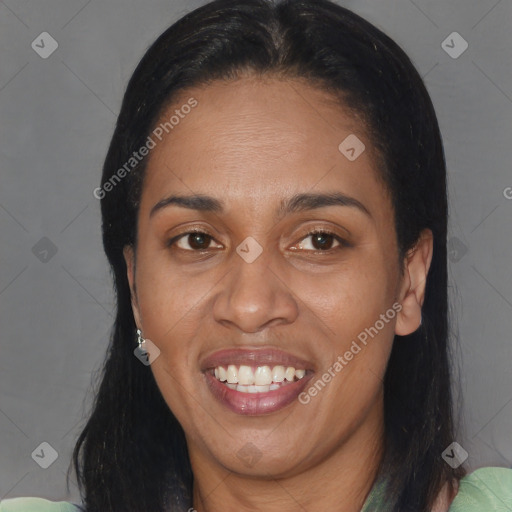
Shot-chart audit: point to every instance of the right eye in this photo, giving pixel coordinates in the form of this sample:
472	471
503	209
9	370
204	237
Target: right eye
196	240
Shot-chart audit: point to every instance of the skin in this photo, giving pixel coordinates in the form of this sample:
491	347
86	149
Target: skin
252	143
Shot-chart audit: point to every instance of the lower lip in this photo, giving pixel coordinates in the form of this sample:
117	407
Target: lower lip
256	403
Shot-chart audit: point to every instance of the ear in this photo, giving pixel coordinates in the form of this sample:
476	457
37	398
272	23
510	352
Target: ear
412	293
129	258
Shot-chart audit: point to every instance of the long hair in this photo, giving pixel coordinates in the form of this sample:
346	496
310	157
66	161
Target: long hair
131	455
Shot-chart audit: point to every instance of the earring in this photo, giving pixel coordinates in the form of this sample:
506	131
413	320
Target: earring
146	352
140	339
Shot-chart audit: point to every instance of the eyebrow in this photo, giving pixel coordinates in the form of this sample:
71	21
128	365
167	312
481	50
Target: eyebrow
294	204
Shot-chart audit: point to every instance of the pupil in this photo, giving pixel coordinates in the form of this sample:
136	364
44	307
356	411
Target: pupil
321	240
199	240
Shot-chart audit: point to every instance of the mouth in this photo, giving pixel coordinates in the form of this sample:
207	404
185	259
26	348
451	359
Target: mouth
255	382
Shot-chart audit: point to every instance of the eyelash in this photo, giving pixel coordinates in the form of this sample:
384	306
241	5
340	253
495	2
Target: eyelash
341	241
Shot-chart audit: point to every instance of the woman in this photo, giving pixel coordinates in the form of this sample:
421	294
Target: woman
274	210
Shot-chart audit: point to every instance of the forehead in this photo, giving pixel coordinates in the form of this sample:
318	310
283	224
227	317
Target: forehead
259	138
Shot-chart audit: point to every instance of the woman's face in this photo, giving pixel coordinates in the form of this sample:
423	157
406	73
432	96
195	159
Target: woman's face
257	291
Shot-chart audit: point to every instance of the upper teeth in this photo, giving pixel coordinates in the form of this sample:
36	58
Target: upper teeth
261	376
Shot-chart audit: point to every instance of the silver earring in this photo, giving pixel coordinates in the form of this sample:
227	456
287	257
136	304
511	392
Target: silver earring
140	339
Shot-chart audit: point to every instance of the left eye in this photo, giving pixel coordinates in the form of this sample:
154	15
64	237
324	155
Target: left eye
321	241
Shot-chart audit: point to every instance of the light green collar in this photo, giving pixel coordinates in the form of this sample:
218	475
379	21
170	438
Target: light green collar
375	500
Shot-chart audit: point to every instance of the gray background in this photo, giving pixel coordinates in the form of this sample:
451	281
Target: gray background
57	116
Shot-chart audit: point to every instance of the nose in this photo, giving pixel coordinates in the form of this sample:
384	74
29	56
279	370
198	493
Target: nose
255	296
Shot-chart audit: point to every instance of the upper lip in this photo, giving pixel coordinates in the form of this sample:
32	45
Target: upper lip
253	357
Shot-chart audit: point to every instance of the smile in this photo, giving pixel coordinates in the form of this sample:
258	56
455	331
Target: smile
260	379
255	382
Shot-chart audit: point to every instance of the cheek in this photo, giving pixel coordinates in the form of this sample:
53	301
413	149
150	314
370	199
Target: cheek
348	306
352	296
171	308
166	293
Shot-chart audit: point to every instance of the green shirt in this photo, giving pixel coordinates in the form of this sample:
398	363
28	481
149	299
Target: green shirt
484	490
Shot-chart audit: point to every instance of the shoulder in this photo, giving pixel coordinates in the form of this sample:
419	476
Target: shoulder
485	489
37	505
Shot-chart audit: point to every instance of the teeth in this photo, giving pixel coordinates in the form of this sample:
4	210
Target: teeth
263	378
232	374
278	374
253	389
222	374
245	375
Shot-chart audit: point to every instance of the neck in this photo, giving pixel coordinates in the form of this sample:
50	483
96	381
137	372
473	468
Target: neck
340	481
